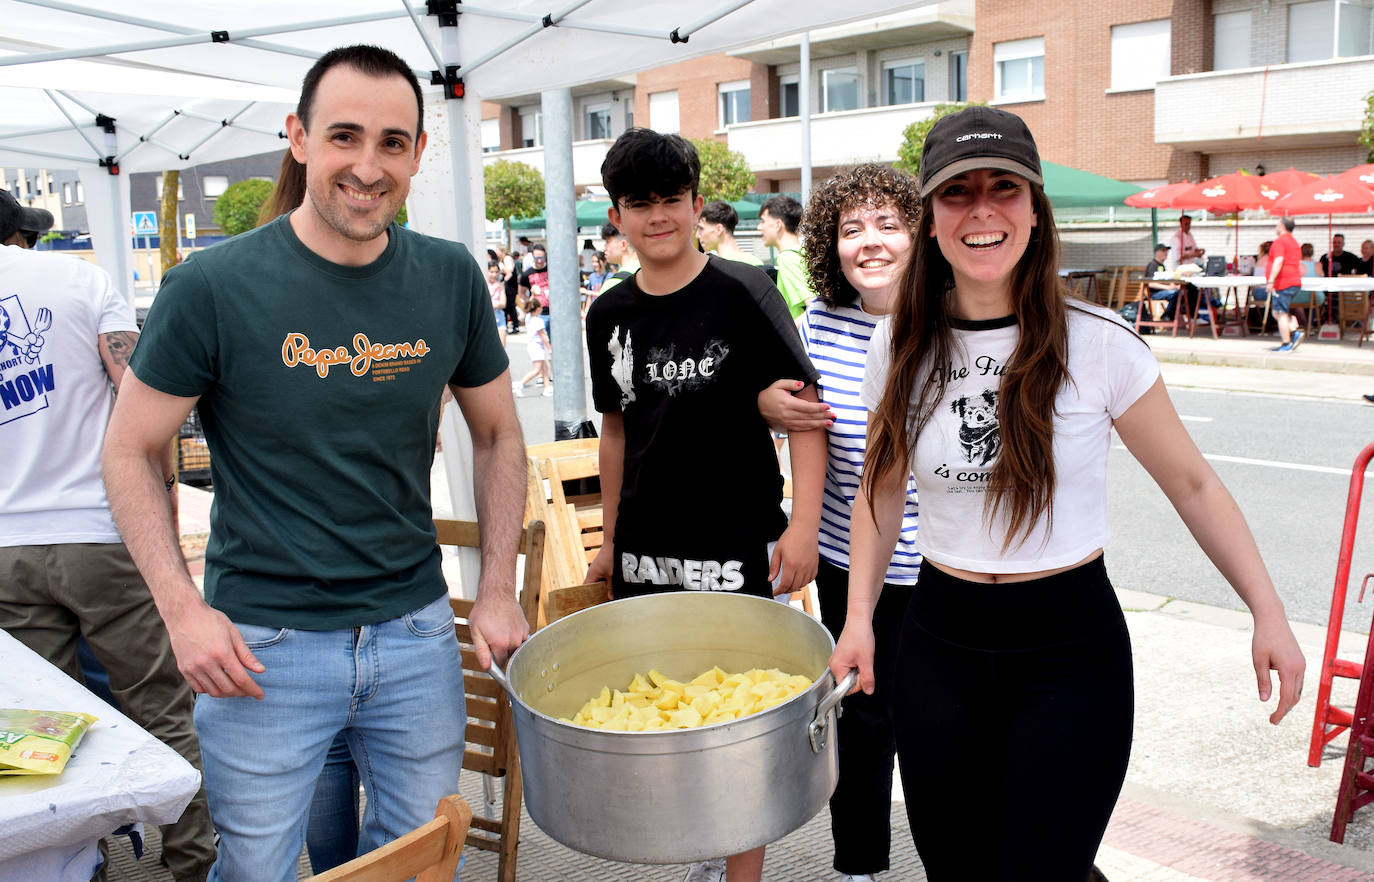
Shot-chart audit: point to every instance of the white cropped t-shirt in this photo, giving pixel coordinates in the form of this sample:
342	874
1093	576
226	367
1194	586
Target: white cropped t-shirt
1109	369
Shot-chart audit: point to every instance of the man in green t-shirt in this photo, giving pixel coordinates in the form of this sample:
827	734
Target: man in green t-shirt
316	348
779	219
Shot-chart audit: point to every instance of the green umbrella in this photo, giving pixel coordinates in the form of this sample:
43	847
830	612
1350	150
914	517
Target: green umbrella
592	213
1072	188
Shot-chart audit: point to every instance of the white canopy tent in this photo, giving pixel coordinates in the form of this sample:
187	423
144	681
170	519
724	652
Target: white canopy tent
157	84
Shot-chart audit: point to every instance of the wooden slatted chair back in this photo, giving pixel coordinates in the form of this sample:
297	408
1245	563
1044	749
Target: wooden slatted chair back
429	853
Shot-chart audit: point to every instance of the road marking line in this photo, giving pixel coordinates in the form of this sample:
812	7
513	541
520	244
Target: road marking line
1270	463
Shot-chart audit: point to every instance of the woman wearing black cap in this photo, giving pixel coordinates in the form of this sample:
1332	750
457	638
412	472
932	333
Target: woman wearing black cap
1014	701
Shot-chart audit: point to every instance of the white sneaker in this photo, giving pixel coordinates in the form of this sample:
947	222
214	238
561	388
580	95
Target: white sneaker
706	871
517	390
866	877
548	391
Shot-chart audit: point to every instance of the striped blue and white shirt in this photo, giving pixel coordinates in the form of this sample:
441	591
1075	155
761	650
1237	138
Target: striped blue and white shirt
837	341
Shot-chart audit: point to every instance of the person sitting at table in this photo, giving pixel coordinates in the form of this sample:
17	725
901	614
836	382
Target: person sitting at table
1308	263
1338	261
1162	289
1366	266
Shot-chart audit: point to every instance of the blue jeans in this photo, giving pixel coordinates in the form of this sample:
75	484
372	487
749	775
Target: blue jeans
331	838
395	691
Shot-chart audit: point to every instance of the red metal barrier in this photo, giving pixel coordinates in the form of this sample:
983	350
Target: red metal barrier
1337	719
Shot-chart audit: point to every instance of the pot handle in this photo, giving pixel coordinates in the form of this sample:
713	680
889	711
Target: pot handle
819	727
500	677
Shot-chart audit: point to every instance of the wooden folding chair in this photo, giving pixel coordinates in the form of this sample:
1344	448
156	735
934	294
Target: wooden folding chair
430	852
490	745
1145	316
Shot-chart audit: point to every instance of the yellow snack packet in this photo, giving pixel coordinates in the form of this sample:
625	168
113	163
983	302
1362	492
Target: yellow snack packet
34	742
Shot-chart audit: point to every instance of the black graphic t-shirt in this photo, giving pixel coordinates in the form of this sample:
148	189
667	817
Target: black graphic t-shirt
701	495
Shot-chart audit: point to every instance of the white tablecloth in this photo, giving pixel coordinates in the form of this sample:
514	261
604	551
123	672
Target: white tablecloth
1338	283
119	774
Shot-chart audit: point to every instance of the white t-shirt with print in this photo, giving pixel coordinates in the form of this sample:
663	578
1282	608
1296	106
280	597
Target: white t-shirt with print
55	397
1109	369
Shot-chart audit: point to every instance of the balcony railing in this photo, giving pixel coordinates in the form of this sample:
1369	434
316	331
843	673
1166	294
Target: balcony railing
1307	104
845	137
587	158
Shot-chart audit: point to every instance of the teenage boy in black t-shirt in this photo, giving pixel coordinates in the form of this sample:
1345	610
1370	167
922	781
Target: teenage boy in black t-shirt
679	352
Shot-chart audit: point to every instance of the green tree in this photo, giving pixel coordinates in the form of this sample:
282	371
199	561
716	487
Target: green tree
1366	138
725	173
513	189
914	136
236	210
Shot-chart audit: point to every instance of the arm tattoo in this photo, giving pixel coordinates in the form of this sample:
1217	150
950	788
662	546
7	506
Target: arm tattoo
115	348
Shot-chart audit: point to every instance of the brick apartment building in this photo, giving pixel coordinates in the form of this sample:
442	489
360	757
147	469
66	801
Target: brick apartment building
1146	91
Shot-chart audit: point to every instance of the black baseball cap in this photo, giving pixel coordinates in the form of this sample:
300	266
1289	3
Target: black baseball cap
1161	247
978	137
14	216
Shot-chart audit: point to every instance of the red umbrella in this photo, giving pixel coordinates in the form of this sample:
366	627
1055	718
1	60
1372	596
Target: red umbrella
1158	197
1330	195
1290	179
1228	194
1363	174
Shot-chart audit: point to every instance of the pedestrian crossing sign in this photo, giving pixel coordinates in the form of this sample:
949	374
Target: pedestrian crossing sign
145	223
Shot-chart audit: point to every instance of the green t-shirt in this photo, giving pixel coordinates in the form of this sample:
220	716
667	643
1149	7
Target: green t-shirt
319	391
792	281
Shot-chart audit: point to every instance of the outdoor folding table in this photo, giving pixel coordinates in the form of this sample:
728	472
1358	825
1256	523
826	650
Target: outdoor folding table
119	774
1236	289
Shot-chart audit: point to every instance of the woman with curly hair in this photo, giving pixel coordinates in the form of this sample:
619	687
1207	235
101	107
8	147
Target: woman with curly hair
1015	708
857	230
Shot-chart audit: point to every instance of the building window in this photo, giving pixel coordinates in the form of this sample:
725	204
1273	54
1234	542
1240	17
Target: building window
181	188
491	135
663	112
50	185
840	89
904	82
531	127
1328	29
958	76
212	186
66	194
732	102
80	193
598	122
1018	72
1230	40
789	96
1140	54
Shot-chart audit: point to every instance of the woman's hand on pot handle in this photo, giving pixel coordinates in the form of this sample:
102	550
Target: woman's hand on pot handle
854	651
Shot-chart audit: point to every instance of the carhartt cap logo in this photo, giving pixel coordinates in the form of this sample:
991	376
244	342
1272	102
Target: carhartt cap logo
971	135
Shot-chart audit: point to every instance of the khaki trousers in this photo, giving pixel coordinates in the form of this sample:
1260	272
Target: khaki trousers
49	594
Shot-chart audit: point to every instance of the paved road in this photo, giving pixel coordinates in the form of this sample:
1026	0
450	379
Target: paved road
1287	461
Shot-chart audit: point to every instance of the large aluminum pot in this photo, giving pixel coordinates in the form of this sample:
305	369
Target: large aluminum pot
684	795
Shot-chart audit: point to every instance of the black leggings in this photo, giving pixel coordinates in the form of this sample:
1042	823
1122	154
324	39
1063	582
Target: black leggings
1014	709
861	806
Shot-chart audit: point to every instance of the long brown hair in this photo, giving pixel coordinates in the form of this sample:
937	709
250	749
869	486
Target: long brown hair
1022	481
289	192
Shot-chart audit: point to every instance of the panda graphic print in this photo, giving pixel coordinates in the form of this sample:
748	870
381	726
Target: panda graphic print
965	431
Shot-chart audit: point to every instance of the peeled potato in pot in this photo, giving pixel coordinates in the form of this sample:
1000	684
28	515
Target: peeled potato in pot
655	702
